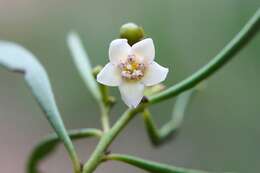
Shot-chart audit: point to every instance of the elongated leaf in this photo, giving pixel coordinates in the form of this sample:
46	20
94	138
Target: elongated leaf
50	143
150	166
82	62
17	59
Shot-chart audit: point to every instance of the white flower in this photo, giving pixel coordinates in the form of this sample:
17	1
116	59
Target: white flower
131	69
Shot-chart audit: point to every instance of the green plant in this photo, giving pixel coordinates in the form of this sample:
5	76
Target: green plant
15	58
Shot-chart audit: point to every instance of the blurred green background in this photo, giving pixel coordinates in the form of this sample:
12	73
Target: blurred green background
221	131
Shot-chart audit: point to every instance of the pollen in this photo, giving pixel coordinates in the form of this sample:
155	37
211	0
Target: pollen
132	68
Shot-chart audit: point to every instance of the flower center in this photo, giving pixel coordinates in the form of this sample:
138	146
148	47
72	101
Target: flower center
132	69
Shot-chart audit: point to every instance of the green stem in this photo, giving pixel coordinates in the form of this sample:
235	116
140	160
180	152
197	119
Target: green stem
105	117
107	138
105	104
226	54
159	136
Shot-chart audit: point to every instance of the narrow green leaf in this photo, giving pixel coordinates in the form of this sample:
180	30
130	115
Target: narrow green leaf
82	62
17	59
50	143
150	166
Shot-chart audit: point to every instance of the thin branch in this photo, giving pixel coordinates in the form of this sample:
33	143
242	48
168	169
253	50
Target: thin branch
226	54
108	137
158	136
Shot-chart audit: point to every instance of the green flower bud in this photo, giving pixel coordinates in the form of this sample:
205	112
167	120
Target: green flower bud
132	32
96	70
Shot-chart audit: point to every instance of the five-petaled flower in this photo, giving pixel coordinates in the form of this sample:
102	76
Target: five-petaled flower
131	69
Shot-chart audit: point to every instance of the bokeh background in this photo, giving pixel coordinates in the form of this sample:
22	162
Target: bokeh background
221	131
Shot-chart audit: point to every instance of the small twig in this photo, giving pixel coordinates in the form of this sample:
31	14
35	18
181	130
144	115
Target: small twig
246	34
158	136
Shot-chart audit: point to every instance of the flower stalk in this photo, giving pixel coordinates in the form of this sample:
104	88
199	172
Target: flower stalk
107	139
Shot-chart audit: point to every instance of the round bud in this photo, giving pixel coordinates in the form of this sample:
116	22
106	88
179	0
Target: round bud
132	32
96	70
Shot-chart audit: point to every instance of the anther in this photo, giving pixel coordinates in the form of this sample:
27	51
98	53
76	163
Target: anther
122	66
131	69
130	58
141	66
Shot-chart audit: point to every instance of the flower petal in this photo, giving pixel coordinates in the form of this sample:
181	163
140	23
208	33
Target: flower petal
132	93
145	49
109	75
154	74
118	50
